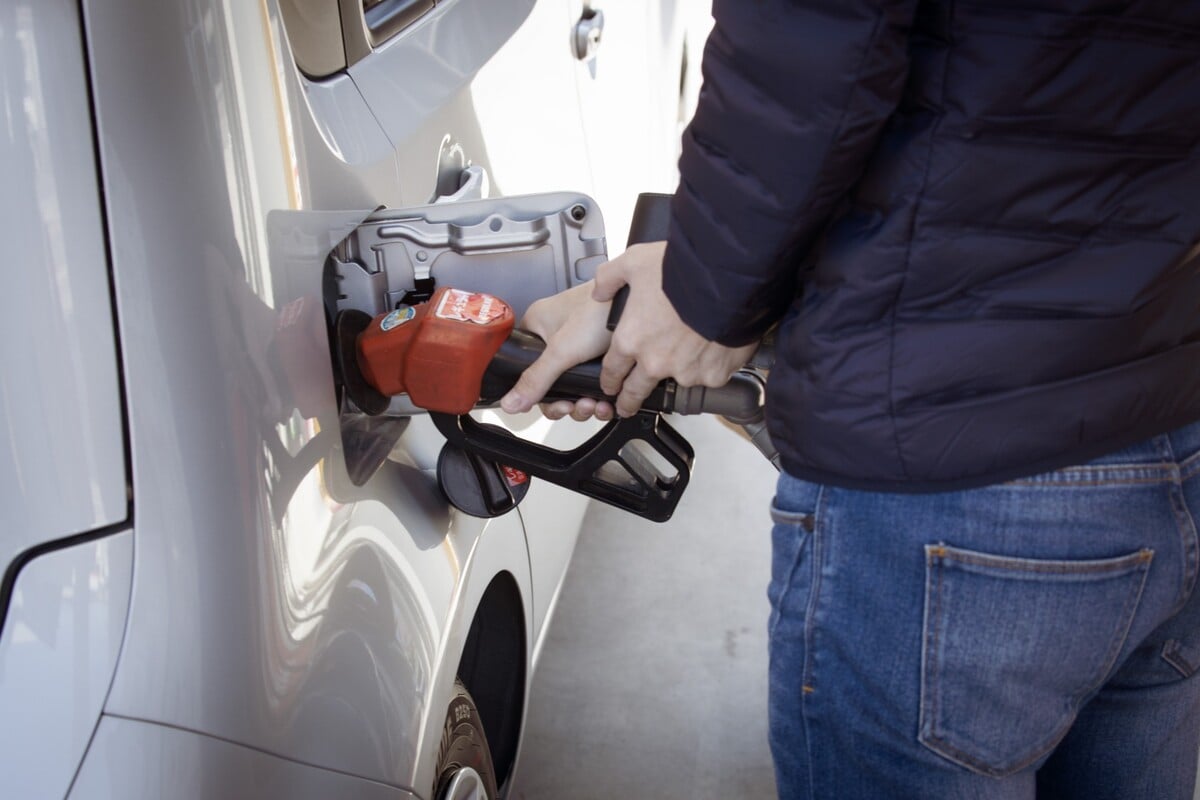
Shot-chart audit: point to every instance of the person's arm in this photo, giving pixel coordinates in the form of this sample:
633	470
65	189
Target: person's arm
795	95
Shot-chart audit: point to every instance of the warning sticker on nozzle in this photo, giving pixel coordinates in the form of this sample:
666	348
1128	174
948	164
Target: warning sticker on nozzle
470	307
398	317
514	476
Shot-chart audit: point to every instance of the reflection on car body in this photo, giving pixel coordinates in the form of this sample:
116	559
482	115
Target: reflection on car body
199	598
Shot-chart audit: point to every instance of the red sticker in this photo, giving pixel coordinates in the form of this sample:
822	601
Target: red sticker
514	476
470	307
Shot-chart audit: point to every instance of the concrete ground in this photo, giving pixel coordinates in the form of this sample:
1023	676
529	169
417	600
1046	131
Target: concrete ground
652	683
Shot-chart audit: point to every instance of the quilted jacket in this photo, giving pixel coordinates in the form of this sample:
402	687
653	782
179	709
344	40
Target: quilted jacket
979	223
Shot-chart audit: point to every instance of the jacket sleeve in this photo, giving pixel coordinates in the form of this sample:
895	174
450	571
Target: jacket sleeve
795	95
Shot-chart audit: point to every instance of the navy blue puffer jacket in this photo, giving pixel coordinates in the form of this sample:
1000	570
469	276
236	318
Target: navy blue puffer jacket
979	222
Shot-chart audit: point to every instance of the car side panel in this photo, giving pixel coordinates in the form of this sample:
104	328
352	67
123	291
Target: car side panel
275	604
629	97
412	75
62	462
132	760
57	656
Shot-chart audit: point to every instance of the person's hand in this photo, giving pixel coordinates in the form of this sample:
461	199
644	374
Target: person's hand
651	342
573	326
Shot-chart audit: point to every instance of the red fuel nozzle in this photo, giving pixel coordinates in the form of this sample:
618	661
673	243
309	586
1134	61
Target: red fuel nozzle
460	350
437	351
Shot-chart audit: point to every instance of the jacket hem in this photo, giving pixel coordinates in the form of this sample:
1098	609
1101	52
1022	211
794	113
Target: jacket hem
1069	458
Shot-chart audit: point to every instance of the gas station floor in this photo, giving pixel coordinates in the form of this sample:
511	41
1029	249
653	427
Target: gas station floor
652	681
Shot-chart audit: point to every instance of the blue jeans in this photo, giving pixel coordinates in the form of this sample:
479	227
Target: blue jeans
1038	638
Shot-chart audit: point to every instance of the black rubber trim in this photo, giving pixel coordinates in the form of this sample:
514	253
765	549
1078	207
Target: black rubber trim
106	232
14	568
18	563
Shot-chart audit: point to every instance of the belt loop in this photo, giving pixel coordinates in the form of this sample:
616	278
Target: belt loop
1163	443
1184	441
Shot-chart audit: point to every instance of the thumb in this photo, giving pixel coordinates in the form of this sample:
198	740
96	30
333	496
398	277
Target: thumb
533	384
610	277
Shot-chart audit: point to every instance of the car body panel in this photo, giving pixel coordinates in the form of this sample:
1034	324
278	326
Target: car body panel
647	144
281	617
244	555
344	120
57	655
410	77
528	124
549	514
274	603
62	460
134	760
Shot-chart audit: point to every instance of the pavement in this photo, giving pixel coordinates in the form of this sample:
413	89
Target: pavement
652	681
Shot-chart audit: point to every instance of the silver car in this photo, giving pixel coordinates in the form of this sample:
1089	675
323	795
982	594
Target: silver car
220	578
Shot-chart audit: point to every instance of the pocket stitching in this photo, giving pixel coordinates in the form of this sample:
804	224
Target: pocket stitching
1189	466
1094	476
779	515
1172	653
796	518
790	518
1092	566
930	708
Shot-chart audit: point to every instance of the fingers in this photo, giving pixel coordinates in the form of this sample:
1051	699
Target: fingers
585	409
636	388
610	277
534	382
557	410
581	410
614	369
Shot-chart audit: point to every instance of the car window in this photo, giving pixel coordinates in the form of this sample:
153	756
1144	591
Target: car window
386	18
327	36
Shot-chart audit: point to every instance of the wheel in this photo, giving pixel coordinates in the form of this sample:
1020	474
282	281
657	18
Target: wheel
464	765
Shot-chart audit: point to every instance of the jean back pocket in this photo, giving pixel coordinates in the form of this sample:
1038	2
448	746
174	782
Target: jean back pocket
1013	647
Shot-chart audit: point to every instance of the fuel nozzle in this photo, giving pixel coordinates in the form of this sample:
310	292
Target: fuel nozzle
436	351
460	351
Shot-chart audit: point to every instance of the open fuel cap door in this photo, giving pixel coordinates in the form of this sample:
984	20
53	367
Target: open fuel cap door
402	344
425	301
517	248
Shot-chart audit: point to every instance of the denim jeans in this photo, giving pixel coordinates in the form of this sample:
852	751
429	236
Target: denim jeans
1037	638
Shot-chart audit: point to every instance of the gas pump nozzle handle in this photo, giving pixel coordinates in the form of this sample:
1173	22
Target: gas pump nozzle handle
741	400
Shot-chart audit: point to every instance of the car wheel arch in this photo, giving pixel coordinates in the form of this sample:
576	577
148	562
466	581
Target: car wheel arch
494	668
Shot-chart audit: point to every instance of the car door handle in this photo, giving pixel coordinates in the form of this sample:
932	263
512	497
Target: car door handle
588	33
